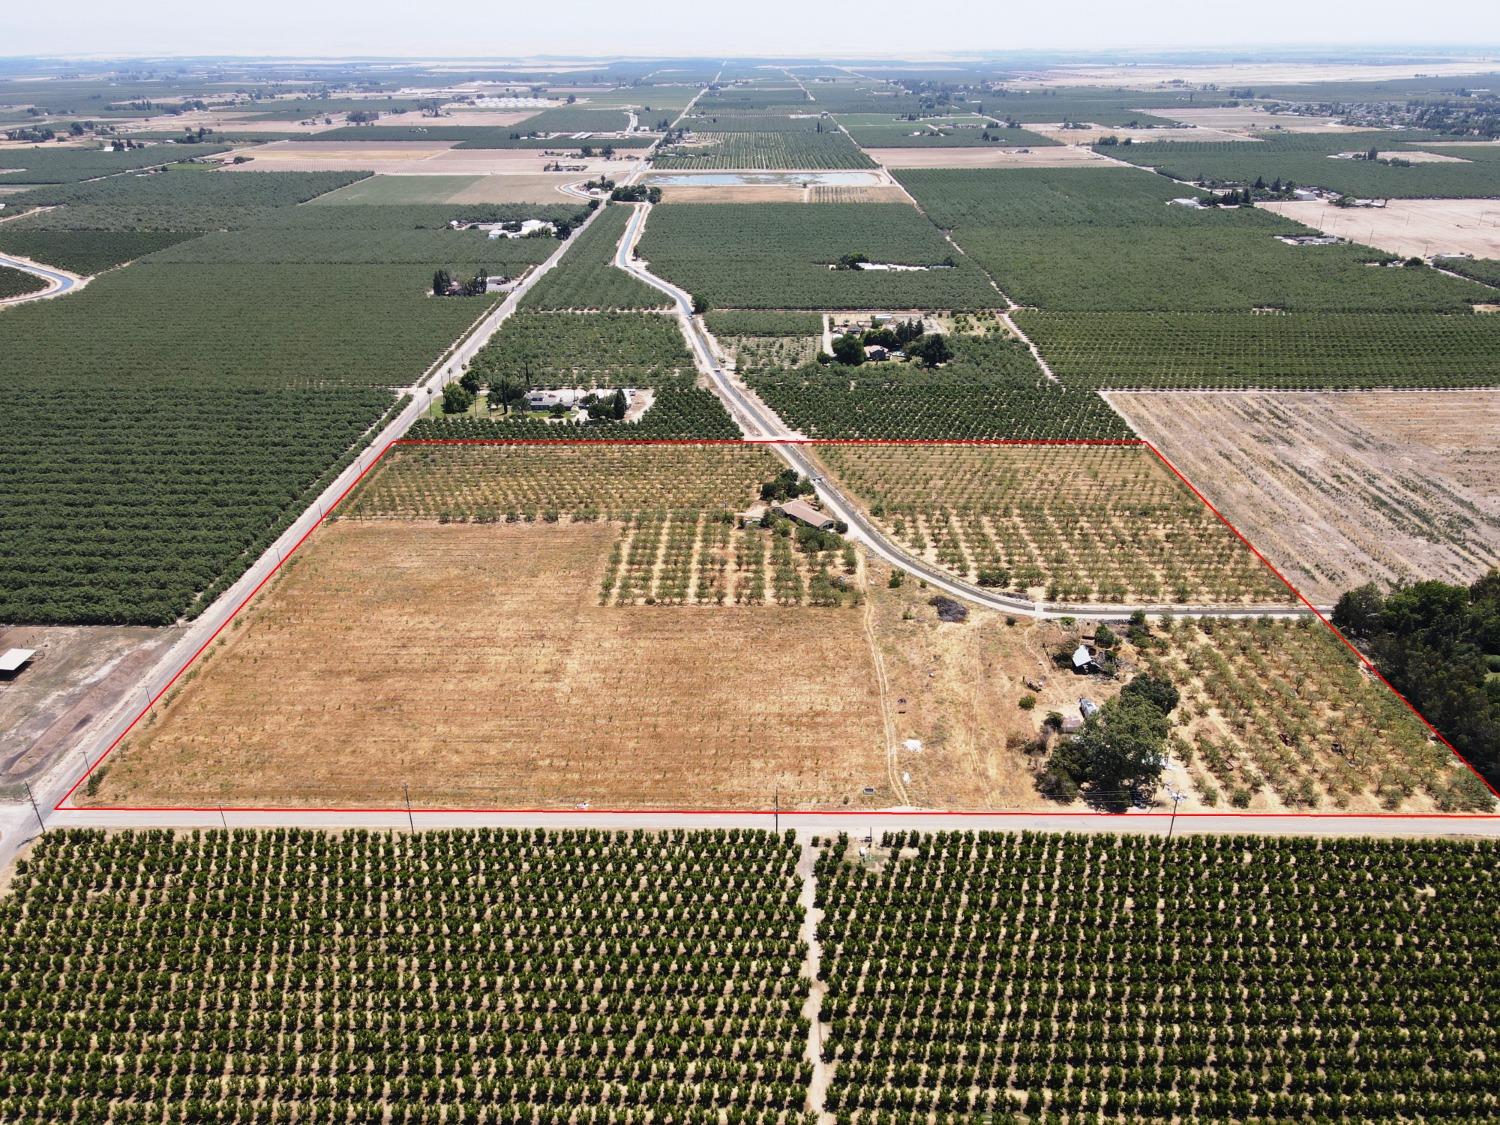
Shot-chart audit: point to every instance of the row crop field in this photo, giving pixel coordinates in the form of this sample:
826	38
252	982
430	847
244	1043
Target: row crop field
750	322
234	384
1040	977
503	976
1107	240
84	252
476	976
992	388
1289	350
586	349
182	199
430	248
72	165
781	256
764	151
1082	524
1311	159
611	481
1282	706
586	277
18	283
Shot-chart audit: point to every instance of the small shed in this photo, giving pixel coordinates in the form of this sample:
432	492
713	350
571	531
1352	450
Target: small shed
805	513
1088	707
1083	659
12	660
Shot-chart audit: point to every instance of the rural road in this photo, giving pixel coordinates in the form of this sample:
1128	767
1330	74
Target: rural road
58	281
854	823
760	423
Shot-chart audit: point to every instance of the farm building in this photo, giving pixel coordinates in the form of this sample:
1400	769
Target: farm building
877	354
1083	659
545	398
13	660
752	515
805	513
1088	707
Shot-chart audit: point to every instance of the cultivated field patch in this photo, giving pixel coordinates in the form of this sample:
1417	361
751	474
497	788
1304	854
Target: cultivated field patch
964	968
1076	524
453	189
1278	715
603	946
1342	489
1269	349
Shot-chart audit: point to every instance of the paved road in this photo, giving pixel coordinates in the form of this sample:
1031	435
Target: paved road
822	822
58	281
760	423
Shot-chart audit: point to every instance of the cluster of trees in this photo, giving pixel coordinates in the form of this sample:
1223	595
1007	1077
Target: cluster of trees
444	284
786	485
636	193
927	348
1116	759
1439	645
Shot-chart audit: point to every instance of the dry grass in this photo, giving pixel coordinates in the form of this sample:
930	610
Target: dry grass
1095	133
782	193
1046	156
473	664
1342	488
1408	227
413	158
1254	119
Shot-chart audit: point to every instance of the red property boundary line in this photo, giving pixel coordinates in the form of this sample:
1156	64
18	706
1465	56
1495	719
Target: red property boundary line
561	442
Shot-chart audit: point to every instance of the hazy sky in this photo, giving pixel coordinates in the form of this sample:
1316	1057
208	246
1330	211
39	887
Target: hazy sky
678	27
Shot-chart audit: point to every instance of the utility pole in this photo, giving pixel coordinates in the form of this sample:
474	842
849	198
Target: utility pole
412	824
1176	797
32	798
223	819
777	805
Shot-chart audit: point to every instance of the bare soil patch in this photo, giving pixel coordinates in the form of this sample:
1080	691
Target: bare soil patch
1047	156
79	674
1255	119
332	156
489	118
1342	488
474	664
1095	133
1408	227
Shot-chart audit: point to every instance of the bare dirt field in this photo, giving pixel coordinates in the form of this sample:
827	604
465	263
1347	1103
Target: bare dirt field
1341	488
79	674
1095	133
332	156
226	122
454	189
1412	156
474	664
492	118
1408	227
412	158
1250	119
1048	156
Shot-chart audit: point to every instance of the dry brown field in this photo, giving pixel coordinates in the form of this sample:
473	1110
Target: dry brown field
1095	133
1252	119
492	118
411	158
1046	156
472	664
1341	488
1408	227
